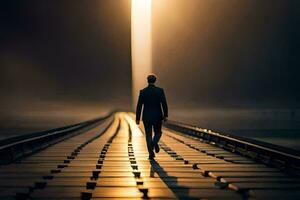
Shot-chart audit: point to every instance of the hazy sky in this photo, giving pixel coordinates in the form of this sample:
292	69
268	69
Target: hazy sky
74	57
228	53
63	61
55	54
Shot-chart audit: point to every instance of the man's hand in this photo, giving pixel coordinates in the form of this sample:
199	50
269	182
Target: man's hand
137	122
165	119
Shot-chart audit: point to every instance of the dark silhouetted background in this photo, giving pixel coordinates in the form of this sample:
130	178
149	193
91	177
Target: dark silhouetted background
228	53
226	64
231	65
63	61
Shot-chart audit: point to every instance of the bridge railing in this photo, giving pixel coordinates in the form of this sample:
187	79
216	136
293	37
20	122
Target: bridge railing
15	148
274	155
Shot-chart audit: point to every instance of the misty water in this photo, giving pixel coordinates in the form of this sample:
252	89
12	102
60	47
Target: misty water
280	126
276	126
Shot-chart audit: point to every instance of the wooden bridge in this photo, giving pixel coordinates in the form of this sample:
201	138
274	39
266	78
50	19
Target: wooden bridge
107	158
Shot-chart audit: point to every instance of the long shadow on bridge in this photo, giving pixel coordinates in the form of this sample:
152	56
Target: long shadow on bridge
171	181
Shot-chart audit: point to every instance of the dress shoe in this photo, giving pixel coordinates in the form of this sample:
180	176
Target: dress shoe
156	148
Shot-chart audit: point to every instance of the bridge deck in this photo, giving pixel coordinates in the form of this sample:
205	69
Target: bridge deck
112	163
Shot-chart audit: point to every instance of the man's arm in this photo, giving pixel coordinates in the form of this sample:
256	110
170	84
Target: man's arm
139	108
164	105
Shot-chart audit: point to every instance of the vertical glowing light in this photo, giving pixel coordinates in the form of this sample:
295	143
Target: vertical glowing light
141	50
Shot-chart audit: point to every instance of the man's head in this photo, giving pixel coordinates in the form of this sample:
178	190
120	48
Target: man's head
151	78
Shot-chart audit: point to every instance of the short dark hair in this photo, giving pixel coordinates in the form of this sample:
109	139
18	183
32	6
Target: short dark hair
151	78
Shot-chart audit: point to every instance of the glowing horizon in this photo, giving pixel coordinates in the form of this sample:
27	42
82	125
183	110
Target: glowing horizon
141	50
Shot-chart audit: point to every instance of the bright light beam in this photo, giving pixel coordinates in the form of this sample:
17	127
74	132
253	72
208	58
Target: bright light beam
141	50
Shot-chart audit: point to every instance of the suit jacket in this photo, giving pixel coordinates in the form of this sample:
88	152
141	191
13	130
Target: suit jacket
155	104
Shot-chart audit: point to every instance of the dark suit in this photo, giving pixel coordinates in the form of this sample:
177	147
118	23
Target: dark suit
155	109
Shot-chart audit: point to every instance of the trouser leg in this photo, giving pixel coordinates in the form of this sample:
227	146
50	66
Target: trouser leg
148	131
157	132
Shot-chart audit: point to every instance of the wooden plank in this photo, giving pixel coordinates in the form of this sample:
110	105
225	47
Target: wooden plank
275	194
117	192
219	175
261	180
237	169
59	192
207	194
247	186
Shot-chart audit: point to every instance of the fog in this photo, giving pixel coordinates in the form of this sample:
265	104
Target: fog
225	65
231	66
227	53
63	61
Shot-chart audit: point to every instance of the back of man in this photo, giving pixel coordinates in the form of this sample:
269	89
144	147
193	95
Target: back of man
152	97
155	110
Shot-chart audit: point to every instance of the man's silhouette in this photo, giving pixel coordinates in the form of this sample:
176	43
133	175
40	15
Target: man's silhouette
155	111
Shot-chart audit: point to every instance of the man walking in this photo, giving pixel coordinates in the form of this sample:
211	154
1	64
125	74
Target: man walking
155	111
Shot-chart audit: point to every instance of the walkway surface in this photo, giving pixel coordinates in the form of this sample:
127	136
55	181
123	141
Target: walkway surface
112	163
